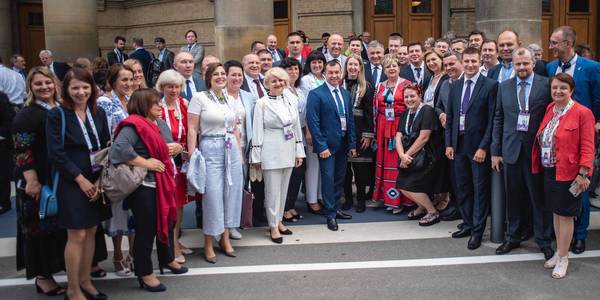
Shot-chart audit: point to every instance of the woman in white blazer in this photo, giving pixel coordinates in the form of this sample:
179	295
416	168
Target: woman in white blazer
276	146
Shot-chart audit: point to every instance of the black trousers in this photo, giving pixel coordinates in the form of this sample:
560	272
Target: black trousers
362	172
258	206
5	173
294	186
525	202
143	206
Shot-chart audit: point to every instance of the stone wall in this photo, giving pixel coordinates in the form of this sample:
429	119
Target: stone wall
318	16
462	17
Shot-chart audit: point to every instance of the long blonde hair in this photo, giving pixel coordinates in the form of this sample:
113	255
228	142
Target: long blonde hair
132	62
44	71
362	83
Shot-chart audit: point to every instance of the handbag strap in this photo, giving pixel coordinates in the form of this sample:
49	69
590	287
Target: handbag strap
62	141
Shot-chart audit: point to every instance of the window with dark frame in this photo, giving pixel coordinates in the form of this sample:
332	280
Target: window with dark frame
280	10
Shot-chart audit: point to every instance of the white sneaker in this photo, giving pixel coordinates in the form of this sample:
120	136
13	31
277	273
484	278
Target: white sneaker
551	263
234	234
560	270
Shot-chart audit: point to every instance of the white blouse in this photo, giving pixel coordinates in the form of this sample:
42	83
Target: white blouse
214	116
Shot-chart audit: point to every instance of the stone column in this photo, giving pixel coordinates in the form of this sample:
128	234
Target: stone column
71	29
522	16
5	31
240	22
358	16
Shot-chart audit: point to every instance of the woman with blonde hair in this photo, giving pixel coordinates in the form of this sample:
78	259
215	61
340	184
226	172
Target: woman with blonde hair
139	80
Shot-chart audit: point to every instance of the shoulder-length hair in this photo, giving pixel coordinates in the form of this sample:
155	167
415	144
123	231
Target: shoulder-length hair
313	55
362	83
44	71
437	53
141	101
132	62
289	62
84	75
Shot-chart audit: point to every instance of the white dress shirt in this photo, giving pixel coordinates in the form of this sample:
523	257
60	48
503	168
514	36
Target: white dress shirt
252	85
473	82
421	72
13	85
571	69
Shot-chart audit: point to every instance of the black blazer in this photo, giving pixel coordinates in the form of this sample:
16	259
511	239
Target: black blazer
369	75
506	140
7	113
479	114
539	68
111	56
61	69
364	53
407	73
168	59
246	87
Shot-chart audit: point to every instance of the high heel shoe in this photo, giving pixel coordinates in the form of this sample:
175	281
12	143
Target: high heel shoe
181	270
212	259
121	268
230	253
314	211
54	292
159	288
98	296
287	231
180	259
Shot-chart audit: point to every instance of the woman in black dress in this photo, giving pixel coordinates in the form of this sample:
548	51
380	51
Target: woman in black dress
419	155
361	166
40	243
80	208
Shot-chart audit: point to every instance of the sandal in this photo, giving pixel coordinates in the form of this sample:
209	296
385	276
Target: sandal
430	219
412	215
120	268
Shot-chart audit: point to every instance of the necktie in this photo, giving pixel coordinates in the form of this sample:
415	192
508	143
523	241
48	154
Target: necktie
189	48
374	80
466	97
522	86
258	88
188	89
565	67
340	104
418	70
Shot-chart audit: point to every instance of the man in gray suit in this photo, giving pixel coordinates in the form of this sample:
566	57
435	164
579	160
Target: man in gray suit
196	49
520	107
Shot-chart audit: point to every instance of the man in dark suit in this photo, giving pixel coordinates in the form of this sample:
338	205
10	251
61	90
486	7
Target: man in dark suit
117	55
366	39
586	74
143	56
520	107
415	71
253	80
508	41
468	137
165	55
373	68
325	38
277	53
19	65
331	122
59	69
184	65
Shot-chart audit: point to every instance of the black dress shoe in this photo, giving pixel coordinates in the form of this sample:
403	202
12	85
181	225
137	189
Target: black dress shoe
332	224
461	234
449	216
578	247
98	296
474	242
526	236
460	226
287	231
548	252
506	247
342	215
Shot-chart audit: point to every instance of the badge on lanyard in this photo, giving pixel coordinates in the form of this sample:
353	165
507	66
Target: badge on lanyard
546	154
95	166
343	122
461	122
389	114
523	121
288	132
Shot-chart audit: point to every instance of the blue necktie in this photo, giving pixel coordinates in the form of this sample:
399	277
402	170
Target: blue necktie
466	97
374	76
340	105
188	90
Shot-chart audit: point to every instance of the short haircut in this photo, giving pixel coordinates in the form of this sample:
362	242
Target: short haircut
456	41
114	71
332	63
396	34
84	63
120	38
278	73
355	39
472	50
396	38
375	44
568	33
209	74
510	30
313	55
254	44
416	44
99	63
180	54
294	33
192	31
487	41
264	51
141	102
477	32
46	51
389	59
325	34
456	54
289	62
14	57
564	77
535	47
523	50
233	64
169	77
84	75
415	87
138	41
580	48
442	40
159	40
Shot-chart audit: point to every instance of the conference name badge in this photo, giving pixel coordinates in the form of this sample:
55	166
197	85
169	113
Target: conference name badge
523	121
343	122
461	122
288	132
389	113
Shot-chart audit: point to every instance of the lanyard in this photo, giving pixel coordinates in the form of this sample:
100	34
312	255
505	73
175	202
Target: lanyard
168	118
406	127
553	124
394	92
356	96
88	141
44	104
214	98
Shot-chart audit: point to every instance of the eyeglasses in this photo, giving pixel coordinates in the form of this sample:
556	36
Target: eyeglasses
554	43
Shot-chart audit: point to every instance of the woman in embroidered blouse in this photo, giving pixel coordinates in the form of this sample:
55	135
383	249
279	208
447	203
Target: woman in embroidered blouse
40	243
276	146
174	113
139	80
211	128
312	78
120	78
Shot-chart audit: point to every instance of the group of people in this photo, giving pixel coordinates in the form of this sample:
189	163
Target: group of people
417	129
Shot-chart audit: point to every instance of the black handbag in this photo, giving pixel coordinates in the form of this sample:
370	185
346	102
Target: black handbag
421	160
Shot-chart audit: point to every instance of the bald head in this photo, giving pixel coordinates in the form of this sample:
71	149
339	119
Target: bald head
335	44
209	59
272	42
184	63
251	64
508	41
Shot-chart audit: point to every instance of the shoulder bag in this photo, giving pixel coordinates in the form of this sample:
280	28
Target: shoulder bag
48	201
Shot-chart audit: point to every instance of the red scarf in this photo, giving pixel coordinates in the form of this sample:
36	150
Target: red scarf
165	184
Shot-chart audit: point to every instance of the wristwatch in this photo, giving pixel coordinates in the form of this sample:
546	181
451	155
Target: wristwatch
584	175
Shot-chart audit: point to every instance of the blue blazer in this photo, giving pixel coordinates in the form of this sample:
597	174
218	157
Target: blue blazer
324	123
587	83
479	115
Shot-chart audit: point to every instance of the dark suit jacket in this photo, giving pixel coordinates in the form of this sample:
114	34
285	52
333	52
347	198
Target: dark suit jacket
479	115
324	123
407	73
539	68
145	58
587	83
246	87
506	140
364	54
61	69
7	113
112	57
369	75
280	52
442	94
168	59
198	82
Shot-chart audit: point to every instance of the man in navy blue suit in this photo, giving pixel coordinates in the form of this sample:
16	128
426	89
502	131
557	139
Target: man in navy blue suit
586	74
508	41
143	56
331	122
468	136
